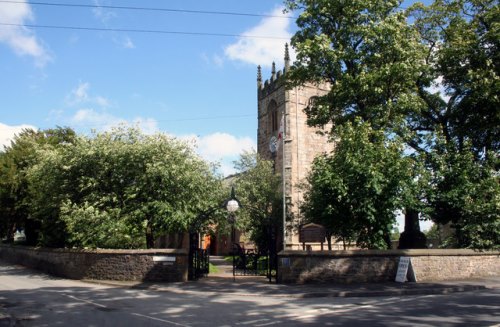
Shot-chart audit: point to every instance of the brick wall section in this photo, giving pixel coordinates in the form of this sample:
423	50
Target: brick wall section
130	265
381	266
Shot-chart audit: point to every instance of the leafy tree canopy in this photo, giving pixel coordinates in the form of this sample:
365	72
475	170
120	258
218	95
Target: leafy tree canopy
15	161
259	190
119	189
355	191
428	74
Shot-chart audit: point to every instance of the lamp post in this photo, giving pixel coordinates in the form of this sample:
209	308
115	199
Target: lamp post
232	205
198	258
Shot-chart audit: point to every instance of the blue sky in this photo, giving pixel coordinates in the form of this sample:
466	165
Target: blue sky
185	85
194	86
189	86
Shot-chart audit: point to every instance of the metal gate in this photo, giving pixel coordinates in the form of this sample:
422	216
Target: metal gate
198	264
257	263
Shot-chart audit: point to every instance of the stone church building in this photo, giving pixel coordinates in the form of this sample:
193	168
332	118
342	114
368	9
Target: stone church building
283	136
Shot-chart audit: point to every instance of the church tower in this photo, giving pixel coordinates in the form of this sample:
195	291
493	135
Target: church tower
283	136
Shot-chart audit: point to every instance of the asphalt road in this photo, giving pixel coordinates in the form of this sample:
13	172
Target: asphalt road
29	298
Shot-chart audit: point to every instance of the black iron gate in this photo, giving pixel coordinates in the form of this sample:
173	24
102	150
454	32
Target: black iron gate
198	264
257	263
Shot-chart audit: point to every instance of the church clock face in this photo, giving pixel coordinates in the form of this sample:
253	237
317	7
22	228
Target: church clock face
273	144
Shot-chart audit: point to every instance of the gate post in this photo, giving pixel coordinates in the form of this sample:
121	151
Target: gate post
194	240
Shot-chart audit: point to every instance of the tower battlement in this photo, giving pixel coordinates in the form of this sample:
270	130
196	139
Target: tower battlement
276	80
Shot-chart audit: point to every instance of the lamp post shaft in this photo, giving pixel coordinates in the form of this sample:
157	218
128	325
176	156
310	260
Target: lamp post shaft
283	177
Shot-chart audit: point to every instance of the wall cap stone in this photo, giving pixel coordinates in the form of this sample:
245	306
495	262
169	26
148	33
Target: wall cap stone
388	253
99	251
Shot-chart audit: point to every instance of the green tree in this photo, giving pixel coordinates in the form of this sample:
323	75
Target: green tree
366	51
120	189
462	40
15	161
463	126
355	191
386	66
467	194
259	190
9	220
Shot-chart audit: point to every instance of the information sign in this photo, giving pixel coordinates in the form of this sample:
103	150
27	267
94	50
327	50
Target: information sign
405	271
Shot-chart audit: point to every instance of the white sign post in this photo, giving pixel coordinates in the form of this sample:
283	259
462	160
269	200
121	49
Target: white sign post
405	271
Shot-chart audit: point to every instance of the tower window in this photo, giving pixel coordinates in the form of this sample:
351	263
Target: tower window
273	116
274	119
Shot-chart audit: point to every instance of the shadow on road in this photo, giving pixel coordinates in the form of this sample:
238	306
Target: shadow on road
40	300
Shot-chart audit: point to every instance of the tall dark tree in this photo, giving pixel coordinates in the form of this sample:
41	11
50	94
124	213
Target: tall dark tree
427	74
15	162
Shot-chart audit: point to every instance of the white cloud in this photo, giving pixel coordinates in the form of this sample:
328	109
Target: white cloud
105	16
103	121
19	38
127	43
215	60
221	147
218	60
7	133
147	125
102	101
80	95
94	118
227	168
263	51
91	112
102	14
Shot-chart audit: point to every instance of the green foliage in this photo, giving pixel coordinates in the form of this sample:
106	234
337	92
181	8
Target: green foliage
462	41
119	189
395	234
15	162
259	190
355	191
91	227
467	194
366	51
434	233
429	75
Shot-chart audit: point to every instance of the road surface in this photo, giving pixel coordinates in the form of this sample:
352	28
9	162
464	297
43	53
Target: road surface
29	298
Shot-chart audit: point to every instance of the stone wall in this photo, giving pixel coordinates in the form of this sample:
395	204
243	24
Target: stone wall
381	266
130	265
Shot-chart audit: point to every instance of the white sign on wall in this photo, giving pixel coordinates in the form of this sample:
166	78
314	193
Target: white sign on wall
166	258
405	271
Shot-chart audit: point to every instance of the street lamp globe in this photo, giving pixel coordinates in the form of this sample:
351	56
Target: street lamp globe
232	205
